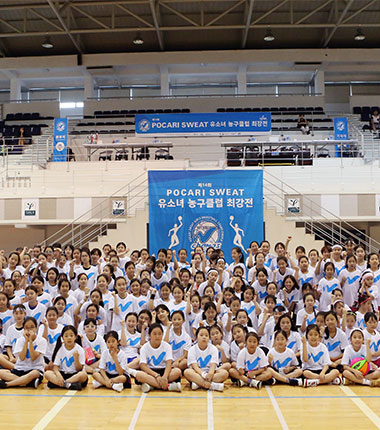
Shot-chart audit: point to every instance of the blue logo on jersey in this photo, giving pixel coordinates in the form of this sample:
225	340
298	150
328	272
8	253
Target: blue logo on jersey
291	344
329	288
279	364
376	279
304	281
37	316
312	321
317	357
262	295
53	339
179	309
28	353
142	303
178	345
352	280
361	323
133	342
5	319
339	270
44	302
91	274
250	310
123	308
68	306
375	345
111	366
252	365
204	362
69	361
332	346
158	360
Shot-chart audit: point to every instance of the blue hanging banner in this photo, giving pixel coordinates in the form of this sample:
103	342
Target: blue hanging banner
203	124
340	128
218	208
60	139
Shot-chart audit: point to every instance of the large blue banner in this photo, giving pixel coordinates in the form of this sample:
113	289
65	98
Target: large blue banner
203	124
60	139
218	208
340	129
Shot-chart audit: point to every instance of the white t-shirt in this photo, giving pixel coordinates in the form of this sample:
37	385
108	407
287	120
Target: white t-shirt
203	358
13	334
157	282
311	318
38	312
248	362
133	344
283	359
156	358
125	305
326	288
337	344
350	286
53	335
374	346
98	344
179	343
318	357
251	311
39	345
349	354
65	359
202	287
7	319
107	363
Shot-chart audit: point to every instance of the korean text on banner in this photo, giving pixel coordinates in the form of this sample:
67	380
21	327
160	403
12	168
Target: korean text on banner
340	129
60	139
219	208
203	124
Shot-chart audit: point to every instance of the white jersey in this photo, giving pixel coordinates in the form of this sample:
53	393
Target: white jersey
351	285
203	357
13	334
38	312
98	344
202	287
39	345
7	320
279	277
157	282
226	349
318	357
250	308
374	345
326	287
308	277
252	272
179	343
156	358
261	291
53	335
249	362
107	363
125	305
350	353
283	359
311	318
65	359
337	344
132	346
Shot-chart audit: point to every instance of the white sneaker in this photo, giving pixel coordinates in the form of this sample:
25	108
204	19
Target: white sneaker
256	384
194	386
118	387
215	386
241	383
310	383
175	386
145	388
96	384
337	381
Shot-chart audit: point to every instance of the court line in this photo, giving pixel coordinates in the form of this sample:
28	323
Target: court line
210	411
136	414
277	409
187	397
367	411
50	415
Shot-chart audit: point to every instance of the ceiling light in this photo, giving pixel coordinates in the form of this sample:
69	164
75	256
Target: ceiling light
269	36
47	43
138	40
359	35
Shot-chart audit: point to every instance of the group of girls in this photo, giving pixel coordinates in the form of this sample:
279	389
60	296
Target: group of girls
270	318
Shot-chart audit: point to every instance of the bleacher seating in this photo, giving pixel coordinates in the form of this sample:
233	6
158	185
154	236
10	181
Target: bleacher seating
365	113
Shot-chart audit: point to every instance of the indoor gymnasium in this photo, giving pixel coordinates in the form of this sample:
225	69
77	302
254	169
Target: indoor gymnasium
189	214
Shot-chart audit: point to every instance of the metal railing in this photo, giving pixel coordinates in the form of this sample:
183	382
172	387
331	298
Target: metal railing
97	220
321	222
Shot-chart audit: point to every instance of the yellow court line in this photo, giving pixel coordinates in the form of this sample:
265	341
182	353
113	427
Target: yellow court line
367	411
49	416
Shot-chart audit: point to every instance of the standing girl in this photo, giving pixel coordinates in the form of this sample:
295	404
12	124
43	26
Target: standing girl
349	280
325	287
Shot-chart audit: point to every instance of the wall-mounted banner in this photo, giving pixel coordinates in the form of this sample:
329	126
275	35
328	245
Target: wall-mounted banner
60	139
30	209
217	208
118	207
340	129
203	124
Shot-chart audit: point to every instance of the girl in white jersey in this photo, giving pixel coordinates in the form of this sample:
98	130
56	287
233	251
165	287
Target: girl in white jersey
202	362
361	263
349	280
51	331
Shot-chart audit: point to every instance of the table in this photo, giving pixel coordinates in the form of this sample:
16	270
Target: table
92	148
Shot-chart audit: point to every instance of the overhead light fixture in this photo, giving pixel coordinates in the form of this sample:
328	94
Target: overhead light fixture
269	36
47	43
138	40
359	35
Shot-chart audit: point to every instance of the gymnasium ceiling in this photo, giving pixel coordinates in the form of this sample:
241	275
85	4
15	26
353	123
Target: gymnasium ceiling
110	26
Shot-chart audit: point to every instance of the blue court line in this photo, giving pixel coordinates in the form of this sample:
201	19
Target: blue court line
179	396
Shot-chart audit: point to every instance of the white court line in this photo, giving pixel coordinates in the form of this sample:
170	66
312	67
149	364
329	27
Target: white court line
210	411
277	409
368	412
49	416
135	417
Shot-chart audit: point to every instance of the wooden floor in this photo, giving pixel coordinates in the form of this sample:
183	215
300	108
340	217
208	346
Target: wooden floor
278	407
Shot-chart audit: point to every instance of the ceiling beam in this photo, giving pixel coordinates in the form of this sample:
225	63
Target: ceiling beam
323	5
34	12
359	11
154	12
147	23
180	14
67	31
10	25
227	11
269	12
92	18
247	24
342	15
